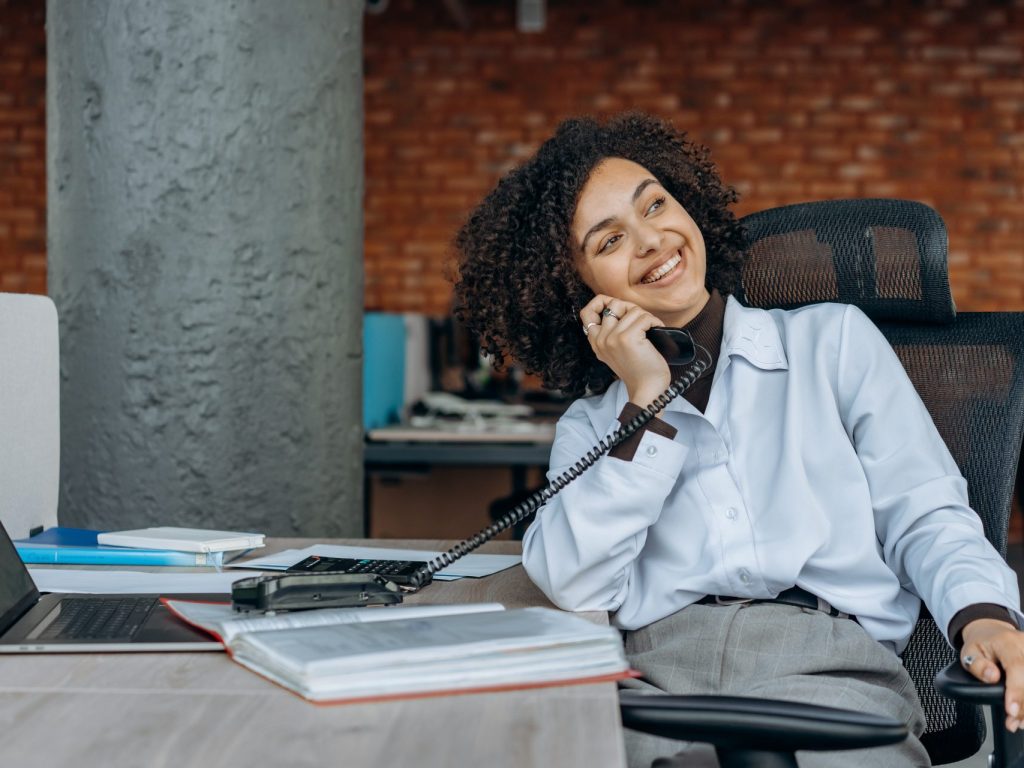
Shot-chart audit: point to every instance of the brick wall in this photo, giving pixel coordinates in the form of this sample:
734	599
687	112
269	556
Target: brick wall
22	146
798	100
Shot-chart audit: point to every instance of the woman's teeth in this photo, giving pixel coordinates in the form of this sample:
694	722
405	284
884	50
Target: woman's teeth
663	270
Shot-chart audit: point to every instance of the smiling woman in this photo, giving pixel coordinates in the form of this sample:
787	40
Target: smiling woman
529	261
774	530
645	261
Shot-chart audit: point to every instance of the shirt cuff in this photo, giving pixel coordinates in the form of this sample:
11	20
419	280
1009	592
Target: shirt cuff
965	616
627	448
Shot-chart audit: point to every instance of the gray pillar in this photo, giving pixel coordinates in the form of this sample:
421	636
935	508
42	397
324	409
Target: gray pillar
205	243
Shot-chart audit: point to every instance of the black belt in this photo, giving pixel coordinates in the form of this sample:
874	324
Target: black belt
801	598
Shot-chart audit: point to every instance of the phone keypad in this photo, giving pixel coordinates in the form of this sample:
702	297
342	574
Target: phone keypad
398	571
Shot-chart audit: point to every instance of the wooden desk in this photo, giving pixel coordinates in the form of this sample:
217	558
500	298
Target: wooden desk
201	709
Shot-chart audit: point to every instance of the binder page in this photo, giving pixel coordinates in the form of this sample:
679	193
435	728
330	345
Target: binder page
221	619
416	642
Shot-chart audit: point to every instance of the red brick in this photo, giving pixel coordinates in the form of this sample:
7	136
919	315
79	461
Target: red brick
1000	54
823	103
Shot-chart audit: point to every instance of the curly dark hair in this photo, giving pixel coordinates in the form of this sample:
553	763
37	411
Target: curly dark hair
516	284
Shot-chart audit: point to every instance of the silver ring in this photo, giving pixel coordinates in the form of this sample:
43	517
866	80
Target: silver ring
968	660
586	328
608	313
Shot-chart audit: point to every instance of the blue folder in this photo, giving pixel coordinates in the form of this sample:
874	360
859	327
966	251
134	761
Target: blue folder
77	546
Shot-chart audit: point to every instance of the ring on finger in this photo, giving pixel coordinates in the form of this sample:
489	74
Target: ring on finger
968	660
586	328
607	312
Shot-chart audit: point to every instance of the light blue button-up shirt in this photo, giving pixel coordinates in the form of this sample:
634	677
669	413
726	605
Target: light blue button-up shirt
815	464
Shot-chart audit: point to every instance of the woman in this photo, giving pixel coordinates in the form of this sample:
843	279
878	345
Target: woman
774	531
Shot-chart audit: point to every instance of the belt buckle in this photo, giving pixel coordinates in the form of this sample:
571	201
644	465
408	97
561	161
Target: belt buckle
719	600
826	607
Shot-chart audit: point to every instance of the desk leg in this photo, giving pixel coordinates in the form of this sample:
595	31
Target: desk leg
518	479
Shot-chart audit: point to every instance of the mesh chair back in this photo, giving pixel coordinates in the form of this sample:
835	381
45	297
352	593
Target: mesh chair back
889	258
886	256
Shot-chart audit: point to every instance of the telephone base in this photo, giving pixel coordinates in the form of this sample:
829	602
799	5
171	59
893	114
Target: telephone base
304	591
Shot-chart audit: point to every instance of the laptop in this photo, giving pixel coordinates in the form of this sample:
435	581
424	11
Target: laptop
31	622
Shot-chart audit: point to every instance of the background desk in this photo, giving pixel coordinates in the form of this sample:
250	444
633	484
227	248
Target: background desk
405	449
201	709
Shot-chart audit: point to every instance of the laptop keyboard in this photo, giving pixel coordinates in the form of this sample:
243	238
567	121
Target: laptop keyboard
92	619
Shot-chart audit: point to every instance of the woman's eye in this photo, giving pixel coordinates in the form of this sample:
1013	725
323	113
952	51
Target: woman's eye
609	243
655	205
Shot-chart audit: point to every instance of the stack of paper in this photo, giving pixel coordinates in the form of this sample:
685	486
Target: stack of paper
352	654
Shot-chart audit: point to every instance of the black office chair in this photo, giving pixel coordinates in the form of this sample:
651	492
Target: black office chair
889	258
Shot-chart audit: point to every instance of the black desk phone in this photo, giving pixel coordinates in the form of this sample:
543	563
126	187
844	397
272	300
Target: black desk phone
327	582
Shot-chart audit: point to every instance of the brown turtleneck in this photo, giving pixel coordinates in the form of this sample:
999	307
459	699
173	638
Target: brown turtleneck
706	330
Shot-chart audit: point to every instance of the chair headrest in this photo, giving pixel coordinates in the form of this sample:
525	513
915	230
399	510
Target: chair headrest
886	256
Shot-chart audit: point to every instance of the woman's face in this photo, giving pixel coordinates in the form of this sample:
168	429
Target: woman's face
636	243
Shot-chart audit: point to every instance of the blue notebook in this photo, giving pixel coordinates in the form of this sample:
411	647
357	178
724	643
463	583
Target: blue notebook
77	546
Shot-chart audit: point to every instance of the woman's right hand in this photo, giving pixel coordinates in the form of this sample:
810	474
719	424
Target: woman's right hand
619	340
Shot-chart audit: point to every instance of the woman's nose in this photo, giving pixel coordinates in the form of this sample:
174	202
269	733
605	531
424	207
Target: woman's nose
648	240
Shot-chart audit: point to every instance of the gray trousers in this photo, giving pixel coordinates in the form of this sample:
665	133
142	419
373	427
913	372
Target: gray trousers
773	651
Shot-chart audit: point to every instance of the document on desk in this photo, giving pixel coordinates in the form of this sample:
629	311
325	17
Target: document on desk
105	582
471	566
400	652
225	623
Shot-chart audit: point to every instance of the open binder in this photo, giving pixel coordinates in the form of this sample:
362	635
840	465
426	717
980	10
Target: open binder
370	654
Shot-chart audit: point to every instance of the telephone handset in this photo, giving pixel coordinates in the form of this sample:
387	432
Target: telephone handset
675	345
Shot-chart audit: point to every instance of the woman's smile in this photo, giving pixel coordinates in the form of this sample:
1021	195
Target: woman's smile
663	272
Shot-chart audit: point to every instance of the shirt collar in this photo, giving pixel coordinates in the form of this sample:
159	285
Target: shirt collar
752	334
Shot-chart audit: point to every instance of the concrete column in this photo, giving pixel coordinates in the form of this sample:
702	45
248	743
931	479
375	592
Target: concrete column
205	243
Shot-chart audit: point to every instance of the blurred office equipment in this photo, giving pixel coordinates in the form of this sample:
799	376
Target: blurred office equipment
383	368
29	413
462	439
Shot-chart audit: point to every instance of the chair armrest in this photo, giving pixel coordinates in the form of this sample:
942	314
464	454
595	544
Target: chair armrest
736	722
957	683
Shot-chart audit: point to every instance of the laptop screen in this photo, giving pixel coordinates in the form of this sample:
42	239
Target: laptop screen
18	592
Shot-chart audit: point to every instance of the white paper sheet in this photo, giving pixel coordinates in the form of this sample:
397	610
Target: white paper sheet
473	566
222	620
104	582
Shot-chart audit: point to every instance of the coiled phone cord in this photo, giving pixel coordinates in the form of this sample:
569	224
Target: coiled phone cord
530	505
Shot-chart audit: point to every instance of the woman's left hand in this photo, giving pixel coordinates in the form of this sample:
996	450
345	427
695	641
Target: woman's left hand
616	330
991	649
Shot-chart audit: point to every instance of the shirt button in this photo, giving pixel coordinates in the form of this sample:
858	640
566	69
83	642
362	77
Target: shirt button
731	513
744	575
652	451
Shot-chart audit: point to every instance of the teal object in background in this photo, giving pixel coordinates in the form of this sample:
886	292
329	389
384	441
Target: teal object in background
383	368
